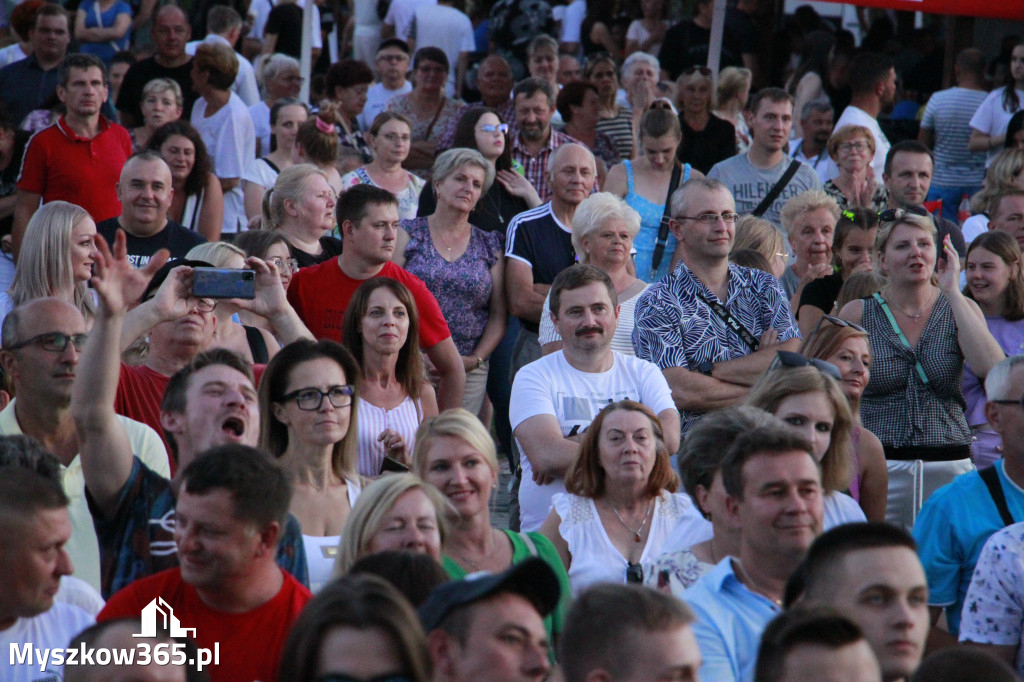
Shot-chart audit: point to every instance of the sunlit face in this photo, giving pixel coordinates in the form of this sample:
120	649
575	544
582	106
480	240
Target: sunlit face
385	325
279	253
289	119
86	91
771	123
47	375
609	244
461	473
573	175
392	142
700	240
812	416
857	254
325	425
489	143
214	547
989	276
533	116
315	207
811	236
410	526
180	154
586	319
83	249
909	179
909	254
462	188
627	446
145	191
854	155
359	654
33	560
159	108
853	358
372	239
660	152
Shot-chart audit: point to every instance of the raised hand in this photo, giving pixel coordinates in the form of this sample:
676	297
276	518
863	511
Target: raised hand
117	283
948	269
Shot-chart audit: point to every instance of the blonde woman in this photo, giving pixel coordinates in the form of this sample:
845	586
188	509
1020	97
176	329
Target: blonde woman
761	236
252	343
57	253
1004	174
733	91
395	512
300	206
161	103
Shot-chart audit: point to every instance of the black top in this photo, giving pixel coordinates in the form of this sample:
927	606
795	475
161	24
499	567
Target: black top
331	247
702	150
9	175
129	99
175	238
686	44
285	21
821	293
493	212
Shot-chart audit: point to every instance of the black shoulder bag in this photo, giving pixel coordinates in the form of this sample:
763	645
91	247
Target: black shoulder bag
991	479
776	190
666	217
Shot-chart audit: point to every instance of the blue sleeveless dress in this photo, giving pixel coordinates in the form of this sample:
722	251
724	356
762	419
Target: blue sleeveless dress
647	238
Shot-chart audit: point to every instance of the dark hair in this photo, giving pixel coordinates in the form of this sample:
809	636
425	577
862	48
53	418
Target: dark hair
770	94
1015	125
23	17
813	58
817	574
201	169
1005	247
607	620
576	276
6	121
905	147
572	95
804	626
363	602
174	400
79	60
528	87
219	62
465	135
25	452
414	574
92	635
972	61
285	102
430	54
321	148
259	487
258	242
867	70
1011	103
964	664
274	383
123	57
849	220
30	479
773	439
660	122
346	74
51	9
409	370
750	258
394	42
353	202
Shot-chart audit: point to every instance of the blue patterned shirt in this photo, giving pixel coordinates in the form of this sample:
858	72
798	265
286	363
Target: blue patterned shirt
674	328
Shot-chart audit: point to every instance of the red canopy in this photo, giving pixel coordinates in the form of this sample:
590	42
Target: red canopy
996	9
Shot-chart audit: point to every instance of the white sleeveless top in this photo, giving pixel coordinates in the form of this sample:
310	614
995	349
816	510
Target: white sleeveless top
373	420
595	559
322	550
840	508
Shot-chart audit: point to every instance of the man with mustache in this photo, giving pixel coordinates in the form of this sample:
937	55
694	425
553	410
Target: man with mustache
555	398
145	194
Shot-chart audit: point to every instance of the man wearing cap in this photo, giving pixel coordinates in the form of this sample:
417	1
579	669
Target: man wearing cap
490	626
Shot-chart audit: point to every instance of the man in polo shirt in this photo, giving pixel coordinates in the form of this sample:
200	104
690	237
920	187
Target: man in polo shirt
79	158
26	84
145	193
535	140
368	217
712	327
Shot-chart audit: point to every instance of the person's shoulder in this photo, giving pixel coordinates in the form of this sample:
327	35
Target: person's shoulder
135	596
108	229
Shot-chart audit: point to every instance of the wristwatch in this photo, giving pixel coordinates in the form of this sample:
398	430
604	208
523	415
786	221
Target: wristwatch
706	367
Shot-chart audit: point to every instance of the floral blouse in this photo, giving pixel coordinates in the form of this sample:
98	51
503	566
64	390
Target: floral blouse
408	198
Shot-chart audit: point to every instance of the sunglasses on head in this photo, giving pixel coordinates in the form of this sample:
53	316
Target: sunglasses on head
891	214
789	359
837	321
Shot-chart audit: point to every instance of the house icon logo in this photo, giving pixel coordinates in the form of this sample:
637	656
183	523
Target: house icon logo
158	616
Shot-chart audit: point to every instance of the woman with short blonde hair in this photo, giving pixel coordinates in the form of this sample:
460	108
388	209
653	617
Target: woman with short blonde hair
303	189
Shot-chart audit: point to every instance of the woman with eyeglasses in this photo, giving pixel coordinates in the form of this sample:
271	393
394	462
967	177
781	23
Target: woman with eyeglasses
805	394
853	248
620	504
920	337
286	117
198	201
616	121
852	148
307	401
1005	173
390	135
463	265
381	328
809	220
989	123
430	111
455	453
358	627
300	206
995	283
255	344
846	346
272	247
707	139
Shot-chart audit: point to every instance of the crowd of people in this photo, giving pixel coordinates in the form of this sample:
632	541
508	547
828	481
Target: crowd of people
749	357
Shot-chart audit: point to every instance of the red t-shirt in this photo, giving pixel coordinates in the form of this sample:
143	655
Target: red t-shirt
250	642
61	165
320	295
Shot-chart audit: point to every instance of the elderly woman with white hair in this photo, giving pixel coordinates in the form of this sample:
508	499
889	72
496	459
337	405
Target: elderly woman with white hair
603	230
461	264
809	220
280	78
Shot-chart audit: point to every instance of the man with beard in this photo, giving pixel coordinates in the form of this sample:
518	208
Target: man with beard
872	78
816	118
556	398
535	140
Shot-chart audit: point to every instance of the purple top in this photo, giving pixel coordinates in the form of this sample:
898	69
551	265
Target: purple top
463	287
1010	337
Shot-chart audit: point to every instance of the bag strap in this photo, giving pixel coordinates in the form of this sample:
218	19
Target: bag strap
991	478
531	545
899	332
659	246
723	314
776	189
433	121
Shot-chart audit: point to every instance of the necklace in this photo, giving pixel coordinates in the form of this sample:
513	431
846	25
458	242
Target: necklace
479	563
756	587
919	314
636	533
448	249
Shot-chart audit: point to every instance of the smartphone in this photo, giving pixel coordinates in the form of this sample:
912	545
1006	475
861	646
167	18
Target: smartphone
223	283
393	465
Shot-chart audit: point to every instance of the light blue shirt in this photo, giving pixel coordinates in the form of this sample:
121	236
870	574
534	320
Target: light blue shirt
730	620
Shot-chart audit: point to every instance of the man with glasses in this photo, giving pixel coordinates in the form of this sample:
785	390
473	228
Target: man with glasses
42	344
392	65
958	518
209	401
764	178
713	328
1006	213
145	194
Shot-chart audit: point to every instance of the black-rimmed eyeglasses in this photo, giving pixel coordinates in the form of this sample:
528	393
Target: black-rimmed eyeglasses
786	358
312	398
1019	401
55	342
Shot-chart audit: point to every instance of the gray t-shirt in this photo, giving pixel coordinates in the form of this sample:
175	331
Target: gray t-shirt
750	184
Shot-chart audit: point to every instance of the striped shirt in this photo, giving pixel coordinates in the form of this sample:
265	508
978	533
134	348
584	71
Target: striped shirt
948	114
535	167
373	420
620	130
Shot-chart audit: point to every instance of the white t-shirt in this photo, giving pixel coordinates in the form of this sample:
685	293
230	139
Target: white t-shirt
446	28
53	629
377	98
991	118
854	116
639	33
245	82
572	21
259	10
231	142
260	173
840	508
400	15
974	226
260	115
552	386
77	592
